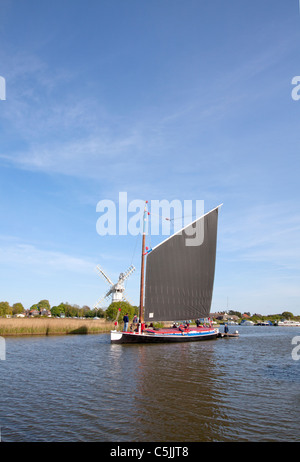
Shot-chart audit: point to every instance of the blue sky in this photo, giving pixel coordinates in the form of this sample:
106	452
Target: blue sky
160	99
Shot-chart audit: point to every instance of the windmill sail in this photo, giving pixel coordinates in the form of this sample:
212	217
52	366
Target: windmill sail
180	273
116	290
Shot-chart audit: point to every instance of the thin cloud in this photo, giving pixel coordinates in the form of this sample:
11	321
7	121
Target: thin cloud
32	257
265	233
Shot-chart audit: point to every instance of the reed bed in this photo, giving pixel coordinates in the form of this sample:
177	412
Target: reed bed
53	326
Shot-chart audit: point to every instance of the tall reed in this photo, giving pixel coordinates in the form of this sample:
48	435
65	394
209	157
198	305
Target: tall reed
53	326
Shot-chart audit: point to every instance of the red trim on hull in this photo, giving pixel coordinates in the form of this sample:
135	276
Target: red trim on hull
166	336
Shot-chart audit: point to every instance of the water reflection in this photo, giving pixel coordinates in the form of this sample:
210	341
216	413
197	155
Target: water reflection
177	392
83	388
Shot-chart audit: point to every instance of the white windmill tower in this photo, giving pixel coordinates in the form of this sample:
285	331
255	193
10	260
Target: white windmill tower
116	290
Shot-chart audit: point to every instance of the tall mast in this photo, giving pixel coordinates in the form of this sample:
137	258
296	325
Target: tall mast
142	267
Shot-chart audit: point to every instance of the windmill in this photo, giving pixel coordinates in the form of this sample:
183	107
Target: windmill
116	290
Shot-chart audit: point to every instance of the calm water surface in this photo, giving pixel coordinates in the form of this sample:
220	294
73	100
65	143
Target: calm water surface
82	388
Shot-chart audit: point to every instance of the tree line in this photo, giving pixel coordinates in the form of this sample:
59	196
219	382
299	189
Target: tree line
115	311
260	317
65	309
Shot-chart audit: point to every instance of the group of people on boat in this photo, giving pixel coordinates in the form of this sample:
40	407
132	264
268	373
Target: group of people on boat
180	326
134	324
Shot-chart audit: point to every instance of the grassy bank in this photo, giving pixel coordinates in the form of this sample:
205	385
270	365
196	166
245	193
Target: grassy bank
52	326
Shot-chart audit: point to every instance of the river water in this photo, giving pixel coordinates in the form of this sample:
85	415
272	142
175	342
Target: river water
82	388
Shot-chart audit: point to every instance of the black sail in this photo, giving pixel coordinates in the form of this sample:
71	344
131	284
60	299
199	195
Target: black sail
180	273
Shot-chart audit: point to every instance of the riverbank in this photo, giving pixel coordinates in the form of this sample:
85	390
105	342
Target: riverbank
53	326
56	326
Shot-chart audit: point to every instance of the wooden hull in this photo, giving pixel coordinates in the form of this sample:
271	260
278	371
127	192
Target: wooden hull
163	337
228	335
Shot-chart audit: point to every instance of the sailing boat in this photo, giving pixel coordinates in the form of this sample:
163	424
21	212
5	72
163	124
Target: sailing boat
179	284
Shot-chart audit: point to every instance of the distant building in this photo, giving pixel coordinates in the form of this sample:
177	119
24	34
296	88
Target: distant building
224	317
45	312
233	317
34	313
219	316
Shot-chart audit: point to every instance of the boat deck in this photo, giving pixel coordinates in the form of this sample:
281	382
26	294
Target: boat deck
176	330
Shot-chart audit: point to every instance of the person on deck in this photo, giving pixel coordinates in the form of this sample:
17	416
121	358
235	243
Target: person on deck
226	329
126	321
135	322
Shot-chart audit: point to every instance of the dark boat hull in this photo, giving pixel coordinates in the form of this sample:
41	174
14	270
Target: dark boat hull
228	335
146	337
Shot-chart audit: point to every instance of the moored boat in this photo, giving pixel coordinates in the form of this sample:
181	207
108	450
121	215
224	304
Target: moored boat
288	323
165	335
228	334
247	323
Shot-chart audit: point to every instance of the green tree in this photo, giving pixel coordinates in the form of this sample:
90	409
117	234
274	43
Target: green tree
43	305
60	309
86	308
121	307
64	308
235	313
5	308
17	308
55	311
89	313
287	315
100	313
70	311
